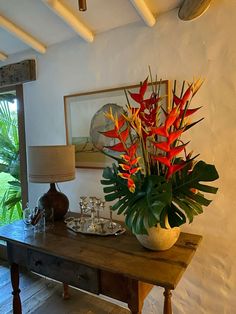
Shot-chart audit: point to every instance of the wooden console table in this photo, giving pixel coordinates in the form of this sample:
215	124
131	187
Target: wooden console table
116	266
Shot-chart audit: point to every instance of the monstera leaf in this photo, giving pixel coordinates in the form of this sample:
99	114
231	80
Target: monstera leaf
144	207
188	199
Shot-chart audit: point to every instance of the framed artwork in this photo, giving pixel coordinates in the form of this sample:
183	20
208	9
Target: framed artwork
79	111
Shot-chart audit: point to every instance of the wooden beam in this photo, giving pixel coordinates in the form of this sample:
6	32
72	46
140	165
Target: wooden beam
144	11
71	19
18	32
3	56
17	73
192	9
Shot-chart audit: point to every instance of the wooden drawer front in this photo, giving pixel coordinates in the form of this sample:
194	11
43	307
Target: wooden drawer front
17	254
77	275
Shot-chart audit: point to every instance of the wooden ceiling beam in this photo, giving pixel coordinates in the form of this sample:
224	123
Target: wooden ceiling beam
144	11
71	19
3	56
18	32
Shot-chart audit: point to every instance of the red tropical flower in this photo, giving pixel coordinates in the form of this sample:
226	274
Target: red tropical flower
144	121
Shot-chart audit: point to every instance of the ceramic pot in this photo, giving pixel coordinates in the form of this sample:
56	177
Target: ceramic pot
158	238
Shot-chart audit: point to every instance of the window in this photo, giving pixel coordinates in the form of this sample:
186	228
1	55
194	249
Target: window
13	170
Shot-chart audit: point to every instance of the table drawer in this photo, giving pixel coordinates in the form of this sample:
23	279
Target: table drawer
17	254
57	268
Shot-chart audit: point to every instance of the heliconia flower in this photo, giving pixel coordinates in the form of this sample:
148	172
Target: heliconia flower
174	168
124	175
138	97
134	170
132	150
124	134
125	167
149	118
162	159
147	103
134	161
171	117
181	102
117	147
196	85
125	157
176	150
130	167
130	181
162	145
143	123
173	136
111	133
118	121
189	112
109	115
143	87
162	131
131	185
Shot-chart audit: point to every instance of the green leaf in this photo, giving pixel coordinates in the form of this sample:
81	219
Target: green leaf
107	182
109	189
107	173
14	183
112	197
175	217
199	198
186	208
206	188
157	208
206	172
3	167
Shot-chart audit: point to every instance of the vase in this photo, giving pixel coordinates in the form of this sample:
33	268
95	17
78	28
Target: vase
158	238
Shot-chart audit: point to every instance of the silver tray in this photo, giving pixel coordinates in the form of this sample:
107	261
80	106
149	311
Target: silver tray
101	227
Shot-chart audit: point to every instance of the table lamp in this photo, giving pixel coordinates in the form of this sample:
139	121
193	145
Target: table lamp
52	164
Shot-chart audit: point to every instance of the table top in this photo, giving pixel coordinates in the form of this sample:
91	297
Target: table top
118	254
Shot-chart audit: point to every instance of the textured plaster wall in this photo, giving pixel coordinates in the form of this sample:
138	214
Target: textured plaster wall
175	50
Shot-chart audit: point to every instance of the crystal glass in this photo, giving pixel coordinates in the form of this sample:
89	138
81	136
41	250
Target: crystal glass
27	217
39	227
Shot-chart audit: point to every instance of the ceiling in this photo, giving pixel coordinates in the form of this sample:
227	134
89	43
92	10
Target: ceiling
36	18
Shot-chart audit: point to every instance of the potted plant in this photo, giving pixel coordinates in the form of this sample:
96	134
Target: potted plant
155	183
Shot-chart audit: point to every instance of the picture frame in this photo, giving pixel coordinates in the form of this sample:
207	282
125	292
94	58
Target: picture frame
79	110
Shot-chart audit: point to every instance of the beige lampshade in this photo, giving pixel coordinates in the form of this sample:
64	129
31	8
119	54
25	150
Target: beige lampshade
50	164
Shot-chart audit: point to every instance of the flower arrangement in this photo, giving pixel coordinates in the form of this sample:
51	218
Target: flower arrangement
154	177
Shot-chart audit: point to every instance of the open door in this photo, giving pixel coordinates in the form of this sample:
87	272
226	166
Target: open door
13	170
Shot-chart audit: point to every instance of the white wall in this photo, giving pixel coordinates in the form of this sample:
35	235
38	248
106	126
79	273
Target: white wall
175	50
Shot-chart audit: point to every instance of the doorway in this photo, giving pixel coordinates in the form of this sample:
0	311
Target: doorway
13	174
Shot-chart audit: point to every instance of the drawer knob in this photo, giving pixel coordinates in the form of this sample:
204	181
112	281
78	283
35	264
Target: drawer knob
82	277
38	263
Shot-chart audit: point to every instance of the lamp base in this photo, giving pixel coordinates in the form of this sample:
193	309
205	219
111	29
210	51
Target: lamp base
56	200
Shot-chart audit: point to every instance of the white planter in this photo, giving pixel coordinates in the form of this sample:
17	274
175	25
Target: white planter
159	239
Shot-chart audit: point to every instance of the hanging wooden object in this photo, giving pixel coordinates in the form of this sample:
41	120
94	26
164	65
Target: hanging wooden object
82	5
191	9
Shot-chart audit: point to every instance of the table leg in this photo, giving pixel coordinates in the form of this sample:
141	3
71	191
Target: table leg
134	309
65	293
167	302
136	298
16	290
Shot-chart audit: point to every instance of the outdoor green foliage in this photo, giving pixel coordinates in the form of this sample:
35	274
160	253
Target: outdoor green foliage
6	216
9	158
180	197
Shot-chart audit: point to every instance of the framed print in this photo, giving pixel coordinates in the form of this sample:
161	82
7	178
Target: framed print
79	111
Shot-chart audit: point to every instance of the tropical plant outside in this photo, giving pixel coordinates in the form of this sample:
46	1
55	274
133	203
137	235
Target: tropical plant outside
10	200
